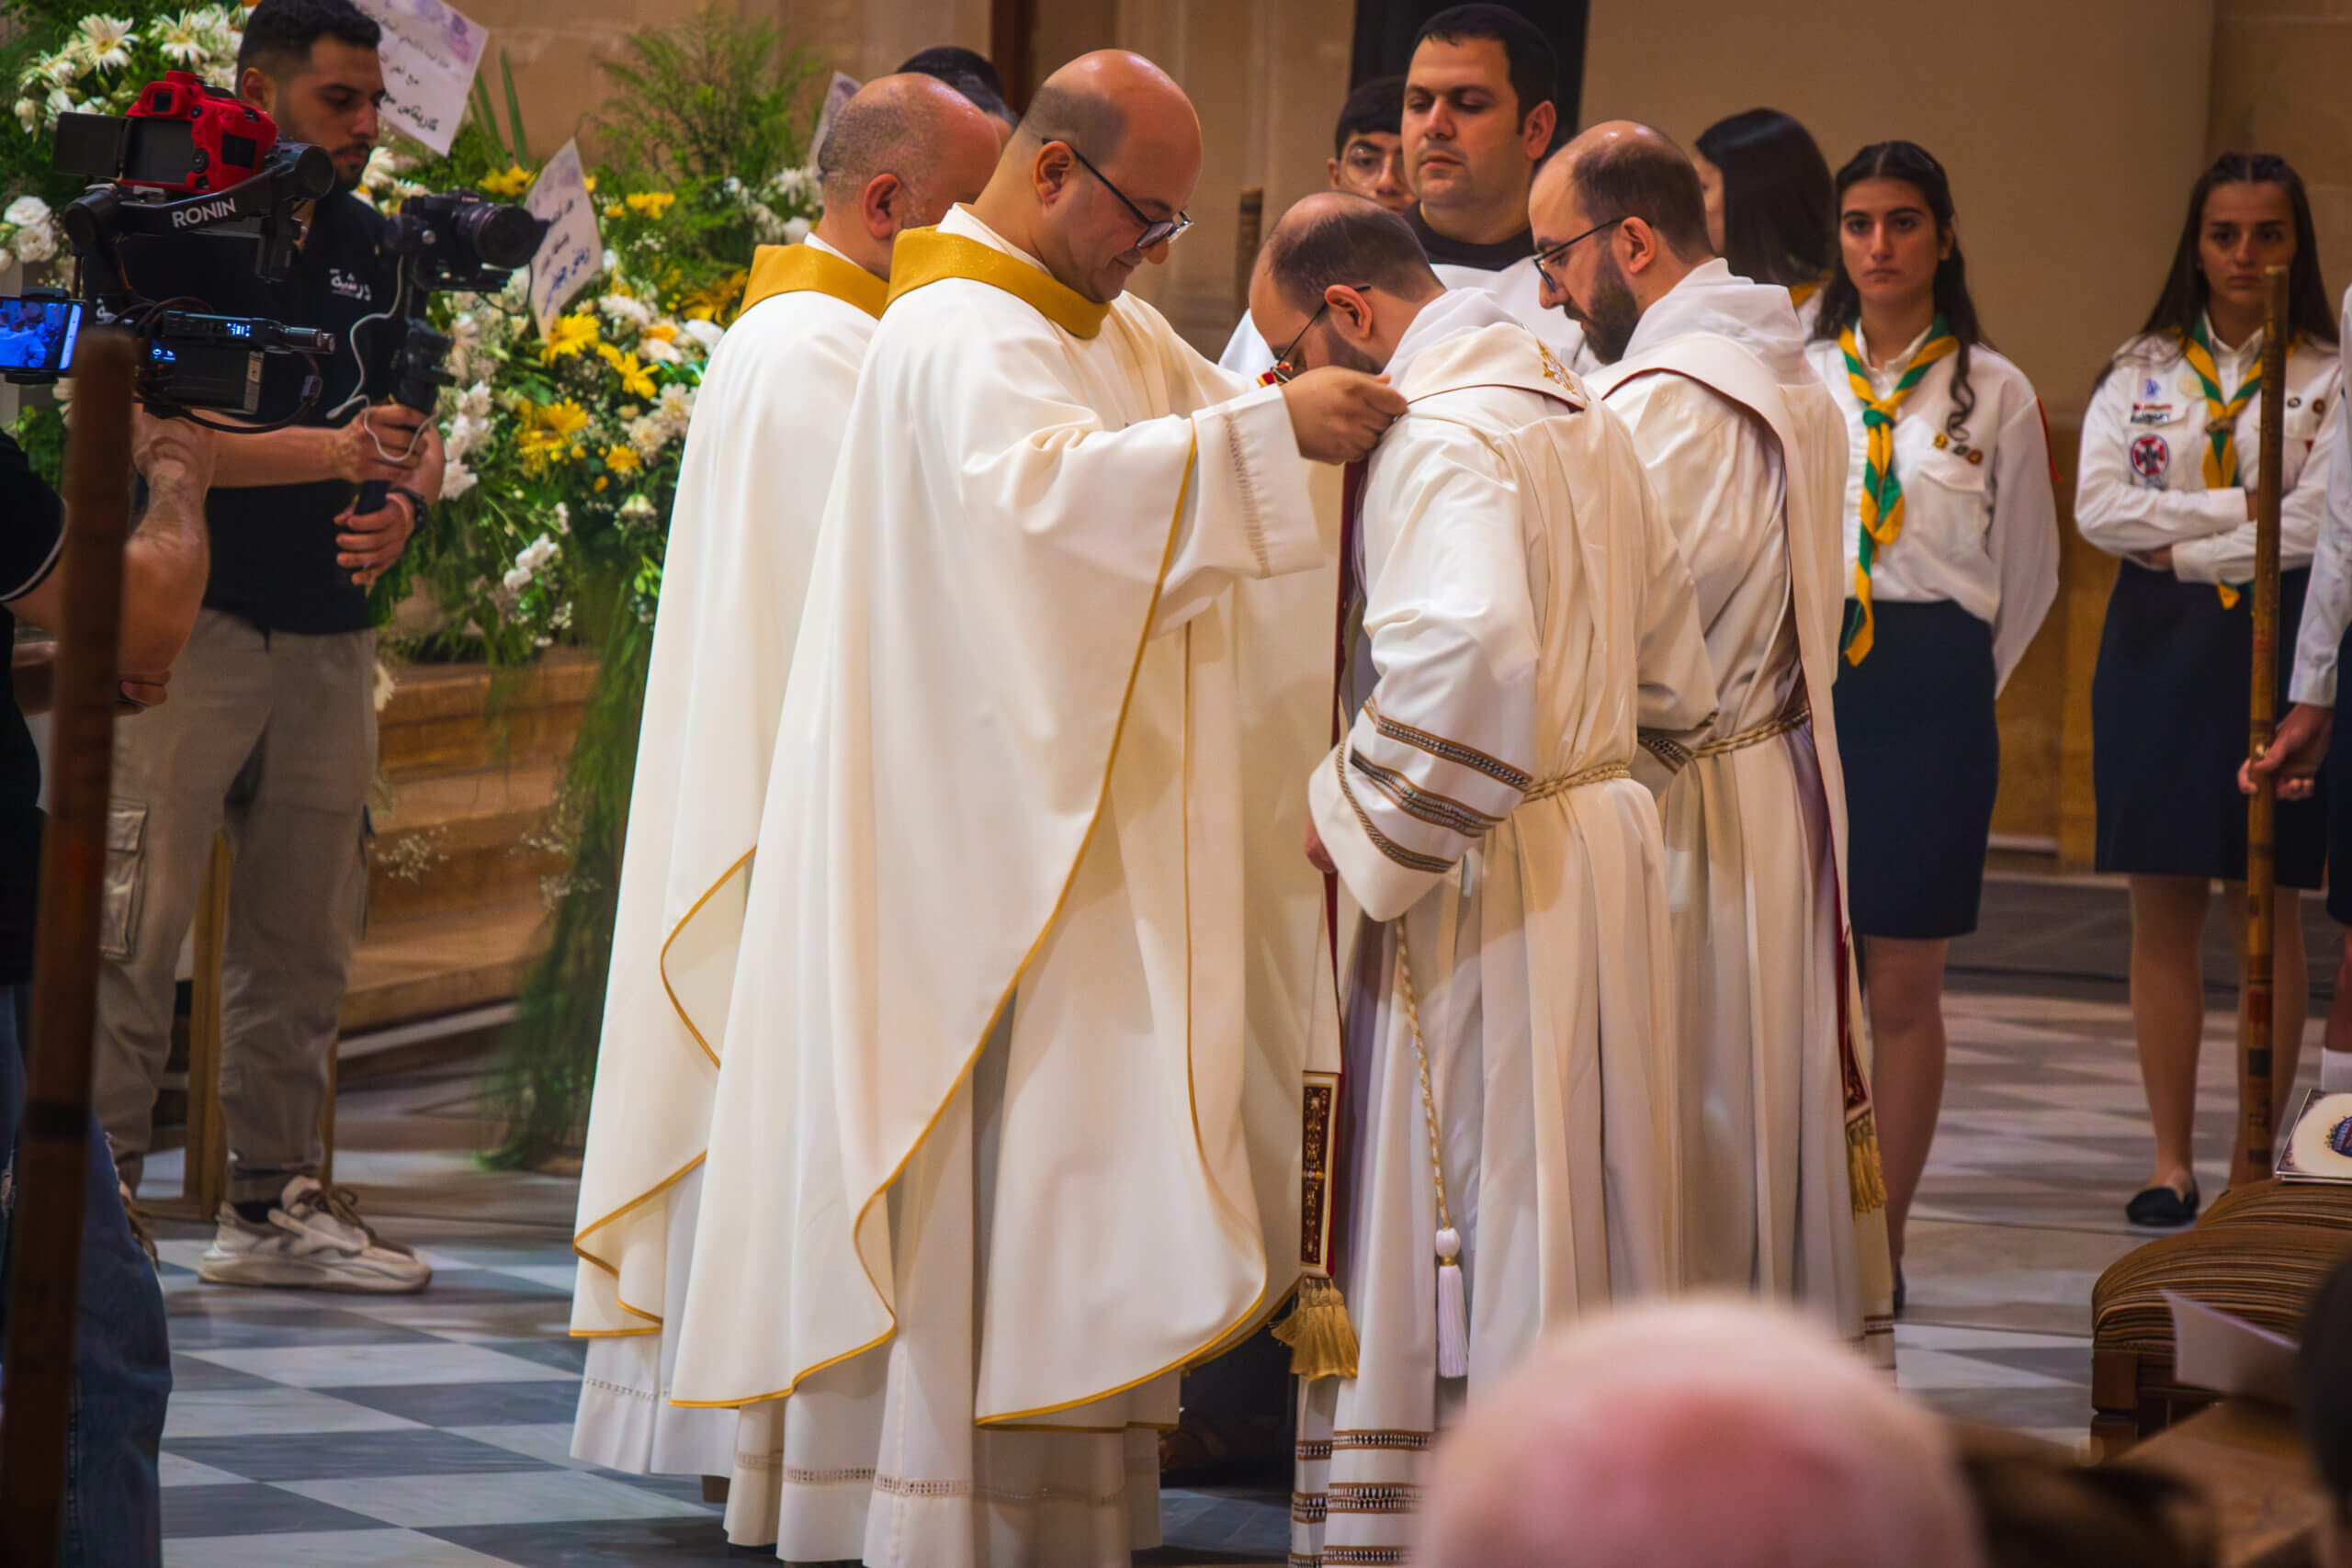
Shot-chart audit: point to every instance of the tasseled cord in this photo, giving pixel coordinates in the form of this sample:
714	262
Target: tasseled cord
1322	1340
1453	1308
1452	1299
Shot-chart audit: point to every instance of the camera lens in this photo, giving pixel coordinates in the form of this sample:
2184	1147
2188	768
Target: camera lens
504	237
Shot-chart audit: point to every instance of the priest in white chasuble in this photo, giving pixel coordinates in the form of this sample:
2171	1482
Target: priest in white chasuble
1746	452
758	463
1509	1094
1008	1114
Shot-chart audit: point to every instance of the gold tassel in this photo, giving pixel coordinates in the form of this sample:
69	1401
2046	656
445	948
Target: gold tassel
1322	1341
1863	1169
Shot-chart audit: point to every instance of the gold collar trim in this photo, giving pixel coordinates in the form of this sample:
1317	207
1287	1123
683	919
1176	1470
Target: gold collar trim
927	255
805	269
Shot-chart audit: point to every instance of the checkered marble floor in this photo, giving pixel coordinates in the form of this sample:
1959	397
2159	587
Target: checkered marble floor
432	1431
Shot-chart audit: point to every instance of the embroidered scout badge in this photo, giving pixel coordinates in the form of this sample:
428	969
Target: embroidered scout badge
2151	456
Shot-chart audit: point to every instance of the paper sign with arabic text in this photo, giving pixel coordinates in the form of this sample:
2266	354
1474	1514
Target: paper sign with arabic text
430	52
573	252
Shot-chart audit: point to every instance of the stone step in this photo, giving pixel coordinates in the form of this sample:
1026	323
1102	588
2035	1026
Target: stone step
460	841
427	965
466	718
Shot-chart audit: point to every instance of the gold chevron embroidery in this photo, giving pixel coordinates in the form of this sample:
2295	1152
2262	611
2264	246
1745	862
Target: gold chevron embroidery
1448	750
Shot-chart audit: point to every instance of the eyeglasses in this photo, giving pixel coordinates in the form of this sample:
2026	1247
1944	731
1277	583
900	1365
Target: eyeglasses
1286	363
1556	252
1156	230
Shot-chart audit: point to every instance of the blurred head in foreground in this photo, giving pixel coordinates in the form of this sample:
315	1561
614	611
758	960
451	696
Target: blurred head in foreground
1720	1432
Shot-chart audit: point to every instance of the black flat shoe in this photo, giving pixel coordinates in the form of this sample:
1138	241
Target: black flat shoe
2162	1208
1901	1290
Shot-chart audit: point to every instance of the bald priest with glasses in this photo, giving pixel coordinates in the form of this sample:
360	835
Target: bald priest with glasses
1006	1128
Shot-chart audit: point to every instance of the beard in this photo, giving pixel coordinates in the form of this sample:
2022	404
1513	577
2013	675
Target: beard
1347	356
1612	313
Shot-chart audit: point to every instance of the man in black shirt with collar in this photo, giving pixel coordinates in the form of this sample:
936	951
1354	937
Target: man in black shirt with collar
1478	119
271	737
122	1364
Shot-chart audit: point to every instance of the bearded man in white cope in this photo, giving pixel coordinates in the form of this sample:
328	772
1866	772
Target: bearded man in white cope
1746	452
1007	1128
759	461
1509	1094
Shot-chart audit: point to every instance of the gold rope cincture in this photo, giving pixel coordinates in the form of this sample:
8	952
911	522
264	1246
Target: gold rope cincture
2220	455
1453	1305
1881	508
1453	1300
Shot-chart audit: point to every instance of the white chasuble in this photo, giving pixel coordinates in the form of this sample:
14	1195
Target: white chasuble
752	483
1522	604
1007	1128
1747	453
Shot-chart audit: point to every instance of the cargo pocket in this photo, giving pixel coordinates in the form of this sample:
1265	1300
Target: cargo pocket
126	882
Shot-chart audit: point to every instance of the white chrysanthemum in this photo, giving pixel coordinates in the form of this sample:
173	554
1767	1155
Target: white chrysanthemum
377	174
184	39
621	308
36	241
59	102
64	68
707	333
475	404
527	565
222	74
29	114
27	209
107	41
457	479
798	186
659	353
459	438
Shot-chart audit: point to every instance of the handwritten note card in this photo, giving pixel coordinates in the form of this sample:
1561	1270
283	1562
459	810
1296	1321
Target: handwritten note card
573	252
430	52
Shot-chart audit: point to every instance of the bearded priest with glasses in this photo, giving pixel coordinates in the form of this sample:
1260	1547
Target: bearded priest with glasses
1007	1122
1507	1157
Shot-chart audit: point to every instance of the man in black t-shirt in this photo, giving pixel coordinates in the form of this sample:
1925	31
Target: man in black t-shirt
271	735
122	1364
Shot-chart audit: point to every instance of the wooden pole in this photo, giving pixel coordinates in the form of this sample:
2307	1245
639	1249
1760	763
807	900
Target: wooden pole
2251	1158
53	1141
1248	234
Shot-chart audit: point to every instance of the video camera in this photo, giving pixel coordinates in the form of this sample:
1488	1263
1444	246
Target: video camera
187	160
450	240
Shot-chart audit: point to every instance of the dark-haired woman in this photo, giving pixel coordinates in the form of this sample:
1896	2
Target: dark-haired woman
1952	558
2170	445
1768	203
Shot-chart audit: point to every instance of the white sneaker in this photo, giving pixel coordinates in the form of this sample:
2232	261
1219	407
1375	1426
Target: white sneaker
313	1239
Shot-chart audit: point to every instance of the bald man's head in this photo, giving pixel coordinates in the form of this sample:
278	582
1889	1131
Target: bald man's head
1110	148
896	156
1716	1432
1622	169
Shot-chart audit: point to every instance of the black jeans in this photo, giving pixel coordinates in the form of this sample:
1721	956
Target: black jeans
122	1355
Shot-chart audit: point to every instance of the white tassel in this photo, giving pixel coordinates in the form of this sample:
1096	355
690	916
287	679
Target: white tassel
1453	1308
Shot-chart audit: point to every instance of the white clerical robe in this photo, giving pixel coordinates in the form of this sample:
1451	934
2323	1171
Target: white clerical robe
752	485
1007	1129
1518	287
1747	453
1523	608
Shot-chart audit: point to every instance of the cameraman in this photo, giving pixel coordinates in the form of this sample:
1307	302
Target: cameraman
271	735
122	1365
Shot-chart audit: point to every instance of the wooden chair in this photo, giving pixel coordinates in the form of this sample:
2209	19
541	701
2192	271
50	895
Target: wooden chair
2259	1252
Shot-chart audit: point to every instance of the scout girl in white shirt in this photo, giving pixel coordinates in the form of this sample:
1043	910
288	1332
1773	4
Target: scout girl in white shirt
2170	445
1951	561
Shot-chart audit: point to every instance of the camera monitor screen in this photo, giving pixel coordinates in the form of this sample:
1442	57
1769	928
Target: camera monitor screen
38	334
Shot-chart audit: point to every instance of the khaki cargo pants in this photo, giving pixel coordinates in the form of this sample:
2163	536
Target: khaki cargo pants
270	737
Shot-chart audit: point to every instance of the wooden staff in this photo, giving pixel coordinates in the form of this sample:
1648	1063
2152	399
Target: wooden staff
53	1141
2250	1161
1246	238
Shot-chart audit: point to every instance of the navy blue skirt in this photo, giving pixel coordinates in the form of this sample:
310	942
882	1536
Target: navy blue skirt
1923	761
2168	732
